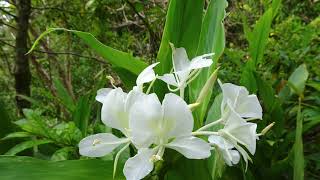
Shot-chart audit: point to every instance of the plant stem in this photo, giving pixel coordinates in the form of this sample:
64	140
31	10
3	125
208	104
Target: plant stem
208	133
210	125
182	92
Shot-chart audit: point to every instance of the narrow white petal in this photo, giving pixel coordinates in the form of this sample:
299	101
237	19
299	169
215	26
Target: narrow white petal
102	94
113	110
191	147
169	79
140	165
147	75
145	117
247	134
99	144
250	107
200	62
178	119
220	142
180	59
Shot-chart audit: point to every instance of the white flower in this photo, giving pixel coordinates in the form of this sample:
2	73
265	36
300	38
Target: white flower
147	75
230	155
165	126
247	106
116	105
238	132
183	67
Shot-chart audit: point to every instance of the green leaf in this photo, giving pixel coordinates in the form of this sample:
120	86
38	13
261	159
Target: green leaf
115	57
182	28
63	95
260	33
214	112
186	169
16	135
212	39
298	169
6	127
62	154
28	168
298	78
26	145
81	114
248	78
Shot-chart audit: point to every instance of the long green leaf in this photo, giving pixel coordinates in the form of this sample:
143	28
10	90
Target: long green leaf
26	145
115	57
182	28
17	135
212	39
298	167
64	96
81	114
260	33
27	168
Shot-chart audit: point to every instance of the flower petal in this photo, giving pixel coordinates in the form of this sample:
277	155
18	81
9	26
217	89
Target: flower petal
140	165
169	79
113	110
200	62
180	59
191	147
102	94
250	107
247	134
133	96
220	142
178	119
145	117
99	144
147	75
231	93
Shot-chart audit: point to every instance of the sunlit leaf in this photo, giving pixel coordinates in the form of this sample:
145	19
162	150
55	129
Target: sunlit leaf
298	78
27	168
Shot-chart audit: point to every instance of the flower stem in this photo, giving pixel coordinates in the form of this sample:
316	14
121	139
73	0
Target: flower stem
208	133
150	86
210	125
182	92
117	158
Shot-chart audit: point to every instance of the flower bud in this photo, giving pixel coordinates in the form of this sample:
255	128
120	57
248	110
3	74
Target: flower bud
208	86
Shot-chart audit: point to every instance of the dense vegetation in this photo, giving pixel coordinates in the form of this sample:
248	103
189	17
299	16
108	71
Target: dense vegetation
47	101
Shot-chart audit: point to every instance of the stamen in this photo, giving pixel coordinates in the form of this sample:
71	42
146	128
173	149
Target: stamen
96	142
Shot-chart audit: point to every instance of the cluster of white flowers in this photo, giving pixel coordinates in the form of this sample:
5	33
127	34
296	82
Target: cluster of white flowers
151	126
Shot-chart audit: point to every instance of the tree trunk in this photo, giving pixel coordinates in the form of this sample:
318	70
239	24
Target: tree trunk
22	73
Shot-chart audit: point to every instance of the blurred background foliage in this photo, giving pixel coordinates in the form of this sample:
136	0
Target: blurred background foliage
65	75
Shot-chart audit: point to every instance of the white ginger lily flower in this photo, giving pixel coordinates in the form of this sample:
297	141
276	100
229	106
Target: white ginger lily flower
230	156
184	69
115	114
147	75
238	131
247	106
165	126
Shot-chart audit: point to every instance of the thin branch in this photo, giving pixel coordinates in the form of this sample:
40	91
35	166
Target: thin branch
144	20
73	54
10	14
8	44
1	22
61	53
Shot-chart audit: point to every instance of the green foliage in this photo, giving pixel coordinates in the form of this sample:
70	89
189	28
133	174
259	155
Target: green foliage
298	78
212	39
115	57
15	167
